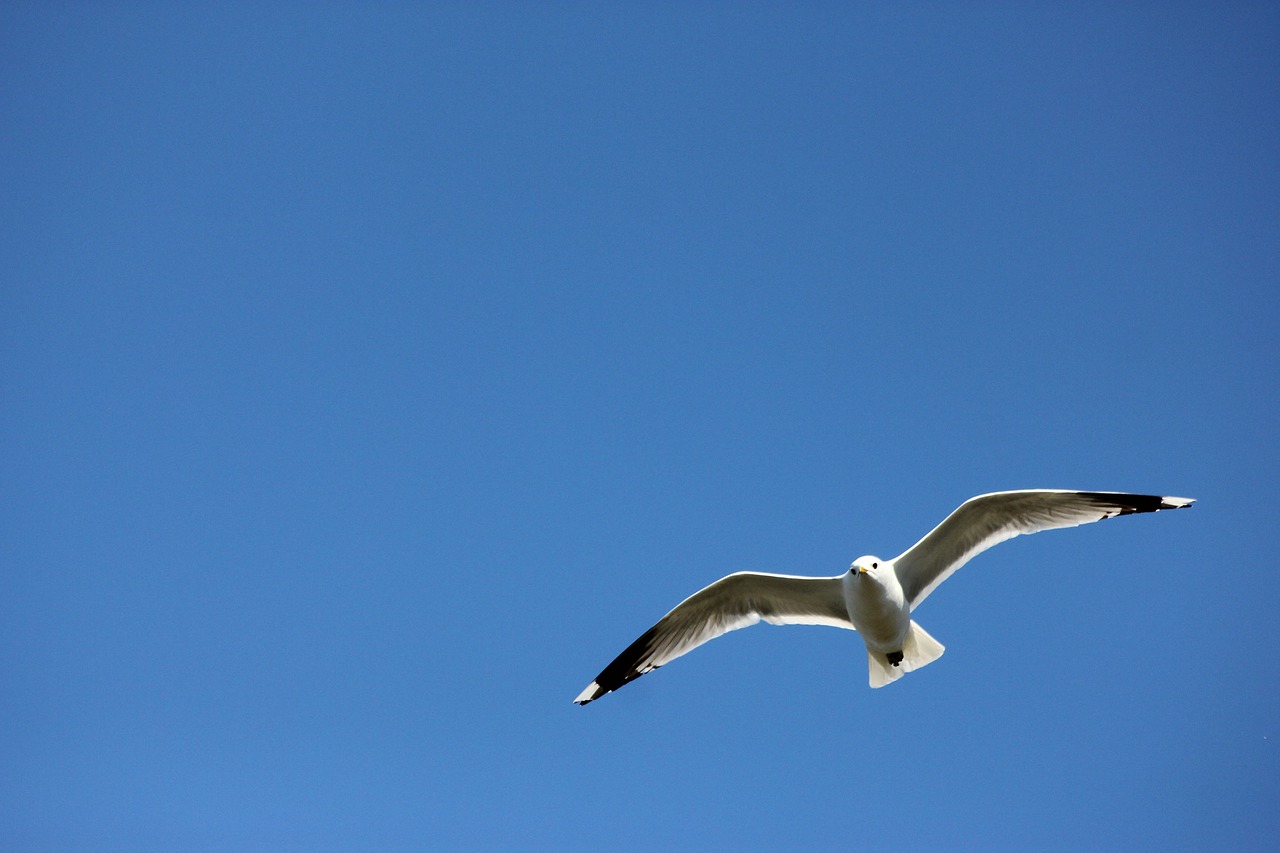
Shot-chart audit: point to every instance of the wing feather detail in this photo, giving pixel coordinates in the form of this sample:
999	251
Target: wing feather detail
733	602
987	520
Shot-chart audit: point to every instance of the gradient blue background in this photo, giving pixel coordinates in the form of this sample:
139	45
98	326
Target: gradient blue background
372	374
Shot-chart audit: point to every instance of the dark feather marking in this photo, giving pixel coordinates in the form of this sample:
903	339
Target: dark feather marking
1128	504
626	667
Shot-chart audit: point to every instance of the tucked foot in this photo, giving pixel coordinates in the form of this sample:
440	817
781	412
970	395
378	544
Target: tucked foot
895	658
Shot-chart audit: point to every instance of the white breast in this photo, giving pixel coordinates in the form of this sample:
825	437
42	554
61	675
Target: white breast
878	608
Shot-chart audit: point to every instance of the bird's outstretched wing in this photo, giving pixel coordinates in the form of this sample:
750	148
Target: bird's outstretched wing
990	519
730	603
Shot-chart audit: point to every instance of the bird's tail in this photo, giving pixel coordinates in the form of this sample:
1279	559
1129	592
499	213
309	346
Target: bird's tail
918	649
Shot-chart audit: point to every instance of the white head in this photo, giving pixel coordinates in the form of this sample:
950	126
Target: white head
867	565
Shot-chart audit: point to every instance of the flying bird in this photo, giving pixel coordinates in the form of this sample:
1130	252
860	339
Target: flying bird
875	597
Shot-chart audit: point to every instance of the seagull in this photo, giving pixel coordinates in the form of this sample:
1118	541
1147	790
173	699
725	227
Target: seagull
875	597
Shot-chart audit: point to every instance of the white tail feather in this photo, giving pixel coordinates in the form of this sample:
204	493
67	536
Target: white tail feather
918	649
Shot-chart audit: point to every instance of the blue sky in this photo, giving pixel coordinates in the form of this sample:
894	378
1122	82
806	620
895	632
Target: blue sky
372	374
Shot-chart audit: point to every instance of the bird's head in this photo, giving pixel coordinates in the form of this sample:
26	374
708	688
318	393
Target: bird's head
867	565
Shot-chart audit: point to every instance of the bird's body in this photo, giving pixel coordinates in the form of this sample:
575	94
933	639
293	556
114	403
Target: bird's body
877	606
874	597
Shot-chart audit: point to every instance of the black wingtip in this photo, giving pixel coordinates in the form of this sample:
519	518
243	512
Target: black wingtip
1126	504
624	669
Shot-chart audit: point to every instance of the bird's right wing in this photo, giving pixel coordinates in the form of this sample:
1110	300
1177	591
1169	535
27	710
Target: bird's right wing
987	520
730	603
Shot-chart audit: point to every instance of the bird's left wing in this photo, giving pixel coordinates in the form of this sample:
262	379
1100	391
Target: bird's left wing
730	603
988	520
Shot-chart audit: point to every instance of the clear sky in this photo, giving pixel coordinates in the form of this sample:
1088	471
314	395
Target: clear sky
372	374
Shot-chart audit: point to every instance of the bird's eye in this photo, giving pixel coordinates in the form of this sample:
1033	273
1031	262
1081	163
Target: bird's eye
875	565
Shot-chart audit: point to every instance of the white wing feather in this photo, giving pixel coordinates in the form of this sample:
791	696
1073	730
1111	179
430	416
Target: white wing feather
988	520
730	603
